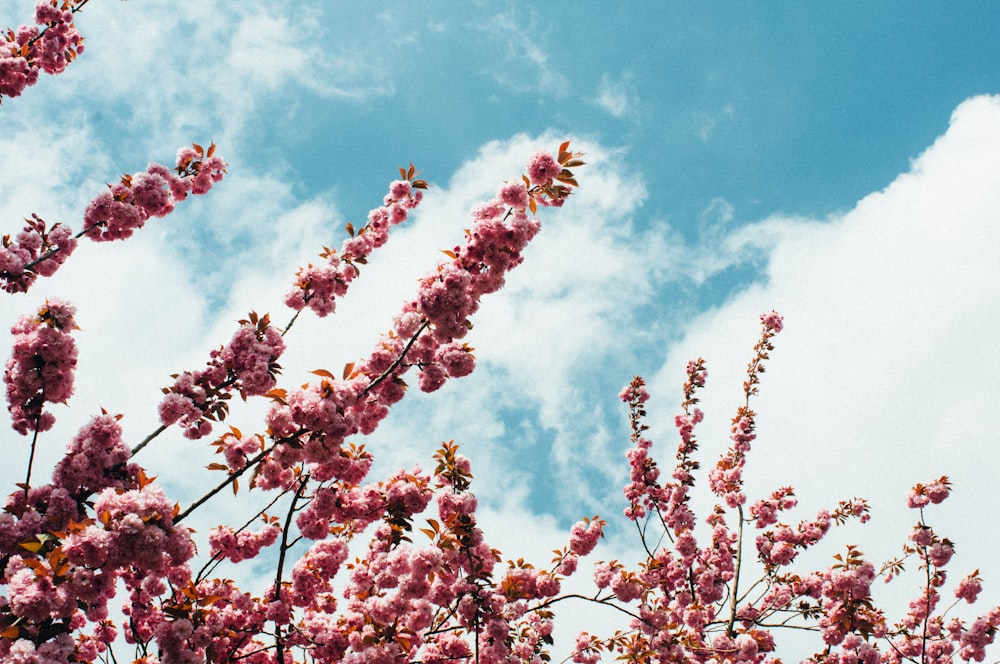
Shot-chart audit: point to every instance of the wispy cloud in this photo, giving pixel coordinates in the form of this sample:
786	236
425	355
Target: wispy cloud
618	97
707	121
524	64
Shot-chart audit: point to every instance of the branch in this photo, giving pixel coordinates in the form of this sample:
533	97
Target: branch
229	480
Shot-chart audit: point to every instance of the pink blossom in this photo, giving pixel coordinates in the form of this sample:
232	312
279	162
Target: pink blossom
542	168
969	588
95	459
40	369
584	536
117	213
514	195
772	321
35	251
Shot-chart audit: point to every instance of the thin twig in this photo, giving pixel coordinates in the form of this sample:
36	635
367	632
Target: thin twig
229	480
145	441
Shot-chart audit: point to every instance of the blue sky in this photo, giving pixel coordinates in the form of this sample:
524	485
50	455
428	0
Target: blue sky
836	162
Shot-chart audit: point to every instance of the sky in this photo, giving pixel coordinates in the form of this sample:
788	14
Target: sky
838	163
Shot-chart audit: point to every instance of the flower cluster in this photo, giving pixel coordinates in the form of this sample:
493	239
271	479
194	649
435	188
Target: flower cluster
29	50
96	459
689	603
316	419
38	251
41	365
319	286
127	205
35	251
65	546
248	364
101	526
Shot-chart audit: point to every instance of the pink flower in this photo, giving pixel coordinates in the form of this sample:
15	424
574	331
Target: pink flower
969	588
515	195
772	321
40	369
542	168
584	536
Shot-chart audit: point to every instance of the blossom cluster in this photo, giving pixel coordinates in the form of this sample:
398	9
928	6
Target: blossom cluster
35	251
319	286
29	50
694	603
127	205
41	365
112	215
428	586
312	423
66	545
248	364
101	525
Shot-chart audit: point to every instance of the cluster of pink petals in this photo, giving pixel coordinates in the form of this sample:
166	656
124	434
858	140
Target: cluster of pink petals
29	50
113	215
319	286
584	536
248	364
126	206
426	334
34	252
95	459
542	168
41	365
924	494
244	545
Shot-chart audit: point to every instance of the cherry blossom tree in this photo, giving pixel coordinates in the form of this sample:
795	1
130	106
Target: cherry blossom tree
99	564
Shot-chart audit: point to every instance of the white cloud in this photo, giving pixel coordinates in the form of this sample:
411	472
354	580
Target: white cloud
525	66
617	97
887	372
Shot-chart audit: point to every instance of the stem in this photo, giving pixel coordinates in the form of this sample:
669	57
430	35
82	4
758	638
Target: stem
595	600
736	575
229	480
303	481
31	457
279	642
145	441
399	360
291	322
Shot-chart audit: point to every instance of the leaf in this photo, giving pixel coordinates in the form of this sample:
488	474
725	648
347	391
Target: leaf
11	632
143	479
217	466
449	253
236	485
197	148
348	370
324	373
350	227
277	394
40	569
34	547
211	149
